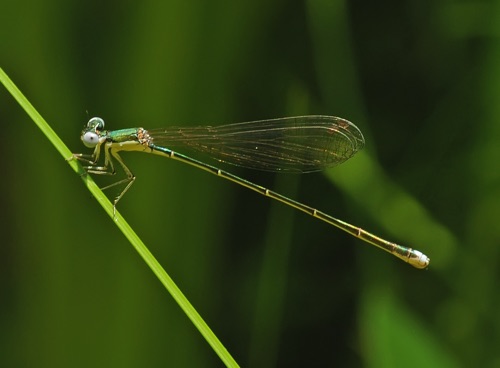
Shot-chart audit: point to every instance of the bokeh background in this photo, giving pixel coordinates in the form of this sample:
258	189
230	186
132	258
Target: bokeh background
280	289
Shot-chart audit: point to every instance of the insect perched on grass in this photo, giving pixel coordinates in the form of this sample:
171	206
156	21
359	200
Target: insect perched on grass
290	145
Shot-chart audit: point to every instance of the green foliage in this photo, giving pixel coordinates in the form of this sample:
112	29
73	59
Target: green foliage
278	288
120	222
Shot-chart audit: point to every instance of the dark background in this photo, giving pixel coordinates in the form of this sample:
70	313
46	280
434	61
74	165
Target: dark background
279	288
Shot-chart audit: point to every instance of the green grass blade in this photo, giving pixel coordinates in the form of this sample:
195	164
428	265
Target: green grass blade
122	224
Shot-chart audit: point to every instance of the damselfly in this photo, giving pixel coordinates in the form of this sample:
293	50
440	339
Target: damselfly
291	145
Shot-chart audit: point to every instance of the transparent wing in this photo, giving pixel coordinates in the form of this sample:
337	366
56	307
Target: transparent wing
296	144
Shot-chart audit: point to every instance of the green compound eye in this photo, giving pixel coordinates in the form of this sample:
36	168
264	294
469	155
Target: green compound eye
95	124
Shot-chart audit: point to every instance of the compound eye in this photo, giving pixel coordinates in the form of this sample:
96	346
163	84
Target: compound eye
95	124
90	139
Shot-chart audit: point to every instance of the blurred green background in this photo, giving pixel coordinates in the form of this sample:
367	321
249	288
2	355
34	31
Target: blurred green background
279	288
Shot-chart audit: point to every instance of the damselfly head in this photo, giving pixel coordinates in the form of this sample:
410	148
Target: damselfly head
90	135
